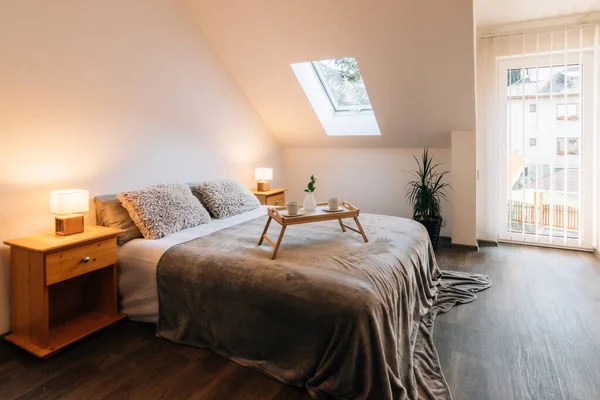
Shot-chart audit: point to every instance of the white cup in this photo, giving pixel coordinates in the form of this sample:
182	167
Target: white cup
292	207
333	203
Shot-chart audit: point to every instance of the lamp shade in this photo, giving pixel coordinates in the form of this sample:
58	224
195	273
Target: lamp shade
69	201
263	174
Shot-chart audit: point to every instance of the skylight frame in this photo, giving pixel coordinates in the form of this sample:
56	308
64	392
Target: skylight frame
343	123
330	96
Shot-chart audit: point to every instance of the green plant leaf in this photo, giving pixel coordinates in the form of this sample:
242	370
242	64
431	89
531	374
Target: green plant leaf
427	188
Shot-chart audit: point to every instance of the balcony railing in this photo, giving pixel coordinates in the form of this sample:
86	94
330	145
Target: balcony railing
549	215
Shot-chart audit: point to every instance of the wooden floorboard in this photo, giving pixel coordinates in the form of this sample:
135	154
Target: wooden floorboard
534	335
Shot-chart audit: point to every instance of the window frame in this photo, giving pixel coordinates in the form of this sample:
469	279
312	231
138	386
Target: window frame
566	115
327	89
576	139
566	146
334	123
558	152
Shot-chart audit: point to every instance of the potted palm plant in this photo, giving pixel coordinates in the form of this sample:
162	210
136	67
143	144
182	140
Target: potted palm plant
425	193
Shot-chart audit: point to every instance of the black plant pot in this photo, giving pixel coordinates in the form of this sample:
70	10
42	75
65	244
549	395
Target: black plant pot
433	227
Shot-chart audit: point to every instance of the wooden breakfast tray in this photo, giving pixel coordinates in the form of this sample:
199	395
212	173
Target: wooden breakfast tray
310	216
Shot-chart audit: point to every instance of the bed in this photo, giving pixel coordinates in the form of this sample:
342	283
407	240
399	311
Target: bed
138	260
341	318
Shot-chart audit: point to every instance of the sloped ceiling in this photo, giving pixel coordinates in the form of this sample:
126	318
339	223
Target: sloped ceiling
416	57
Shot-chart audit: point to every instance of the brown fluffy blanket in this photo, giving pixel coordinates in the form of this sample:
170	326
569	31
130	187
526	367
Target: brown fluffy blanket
343	318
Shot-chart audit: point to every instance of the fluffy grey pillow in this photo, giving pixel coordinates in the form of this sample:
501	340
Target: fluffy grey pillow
227	197
161	210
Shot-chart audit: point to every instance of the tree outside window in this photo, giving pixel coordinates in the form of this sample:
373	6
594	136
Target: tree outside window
343	83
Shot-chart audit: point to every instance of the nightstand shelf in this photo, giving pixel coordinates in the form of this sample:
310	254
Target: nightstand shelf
273	197
62	288
66	332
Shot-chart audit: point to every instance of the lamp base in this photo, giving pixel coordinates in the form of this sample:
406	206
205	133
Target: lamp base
65	225
263	186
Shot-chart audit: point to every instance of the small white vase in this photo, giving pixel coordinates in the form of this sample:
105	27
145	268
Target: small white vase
309	202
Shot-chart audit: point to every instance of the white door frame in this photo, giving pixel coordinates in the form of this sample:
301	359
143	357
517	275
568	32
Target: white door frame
586	59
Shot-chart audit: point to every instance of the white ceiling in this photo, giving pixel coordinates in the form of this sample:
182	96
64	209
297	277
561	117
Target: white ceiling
497	12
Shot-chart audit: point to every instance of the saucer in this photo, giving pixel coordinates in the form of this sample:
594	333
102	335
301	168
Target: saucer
332	211
284	213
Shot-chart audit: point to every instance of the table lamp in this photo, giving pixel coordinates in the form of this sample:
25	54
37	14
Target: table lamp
65	203
263	177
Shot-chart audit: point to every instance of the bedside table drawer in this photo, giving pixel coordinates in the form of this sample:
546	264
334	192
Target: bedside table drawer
277	200
80	260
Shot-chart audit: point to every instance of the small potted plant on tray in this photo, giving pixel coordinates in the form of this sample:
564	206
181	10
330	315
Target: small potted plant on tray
425	193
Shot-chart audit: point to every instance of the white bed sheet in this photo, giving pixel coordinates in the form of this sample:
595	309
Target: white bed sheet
138	260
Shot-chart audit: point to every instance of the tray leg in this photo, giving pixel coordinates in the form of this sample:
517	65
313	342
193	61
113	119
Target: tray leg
262	237
278	242
342	225
362	232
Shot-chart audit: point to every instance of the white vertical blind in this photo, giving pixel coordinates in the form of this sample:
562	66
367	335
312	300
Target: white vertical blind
517	73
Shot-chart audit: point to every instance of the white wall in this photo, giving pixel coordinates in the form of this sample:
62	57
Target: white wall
373	180
110	95
464	171
416	59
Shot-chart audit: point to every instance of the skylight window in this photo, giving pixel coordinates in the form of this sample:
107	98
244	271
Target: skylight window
337	93
343	84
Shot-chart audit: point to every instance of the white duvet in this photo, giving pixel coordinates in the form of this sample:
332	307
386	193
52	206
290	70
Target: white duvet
138	260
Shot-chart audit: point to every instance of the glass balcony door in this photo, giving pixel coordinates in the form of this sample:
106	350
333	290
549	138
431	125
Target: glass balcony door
545	178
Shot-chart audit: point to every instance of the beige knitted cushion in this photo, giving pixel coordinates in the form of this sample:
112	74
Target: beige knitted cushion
161	210
227	197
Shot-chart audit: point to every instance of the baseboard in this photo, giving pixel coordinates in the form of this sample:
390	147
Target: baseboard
446	242
548	246
487	243
467	247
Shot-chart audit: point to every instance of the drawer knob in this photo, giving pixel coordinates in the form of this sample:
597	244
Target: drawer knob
276	202
85	260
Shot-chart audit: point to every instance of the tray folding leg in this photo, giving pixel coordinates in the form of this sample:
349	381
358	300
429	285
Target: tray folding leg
276	248
274	245
359	230
262	237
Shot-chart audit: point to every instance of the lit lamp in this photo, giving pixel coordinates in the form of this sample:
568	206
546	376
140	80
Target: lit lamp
65	203
263	177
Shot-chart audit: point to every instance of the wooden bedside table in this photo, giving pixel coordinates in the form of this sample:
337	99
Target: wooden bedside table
273	197
63	288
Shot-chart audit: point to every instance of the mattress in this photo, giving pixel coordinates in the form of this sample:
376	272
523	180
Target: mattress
138	260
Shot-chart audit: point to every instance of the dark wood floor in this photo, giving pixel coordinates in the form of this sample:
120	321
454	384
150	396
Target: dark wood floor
534	335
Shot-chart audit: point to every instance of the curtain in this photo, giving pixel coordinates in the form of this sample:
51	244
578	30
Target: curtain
537	136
